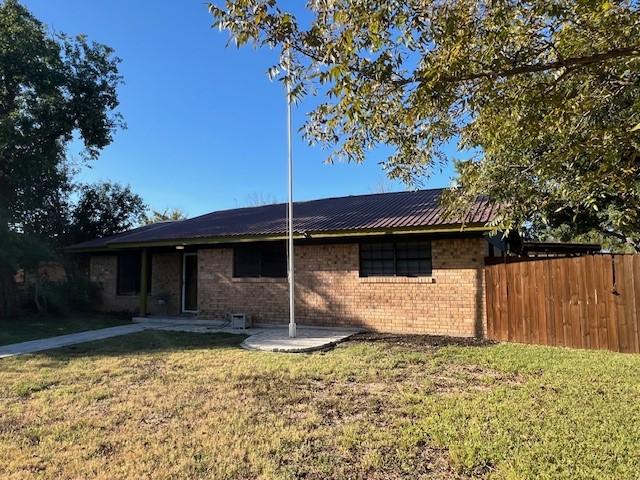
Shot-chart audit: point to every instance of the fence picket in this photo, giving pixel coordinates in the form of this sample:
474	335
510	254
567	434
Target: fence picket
566	301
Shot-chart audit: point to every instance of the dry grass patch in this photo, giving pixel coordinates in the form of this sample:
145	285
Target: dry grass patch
179	405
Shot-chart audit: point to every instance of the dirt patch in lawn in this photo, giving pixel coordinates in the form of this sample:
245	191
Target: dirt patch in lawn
362	421
419	342
422	369
363	415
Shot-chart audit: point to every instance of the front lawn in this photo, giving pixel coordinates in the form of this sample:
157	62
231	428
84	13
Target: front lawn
177	405
32	327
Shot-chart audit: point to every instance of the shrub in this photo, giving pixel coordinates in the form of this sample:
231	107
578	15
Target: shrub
75	294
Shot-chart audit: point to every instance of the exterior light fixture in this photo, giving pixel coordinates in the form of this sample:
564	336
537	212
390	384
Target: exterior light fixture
179	247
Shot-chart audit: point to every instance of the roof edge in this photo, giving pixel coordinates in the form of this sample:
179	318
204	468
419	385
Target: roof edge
453	228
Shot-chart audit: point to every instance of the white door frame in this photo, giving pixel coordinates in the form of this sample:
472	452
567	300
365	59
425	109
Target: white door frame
184	279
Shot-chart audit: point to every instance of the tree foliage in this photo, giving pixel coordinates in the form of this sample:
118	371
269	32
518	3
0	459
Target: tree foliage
544	96
104	209
52	87
166	215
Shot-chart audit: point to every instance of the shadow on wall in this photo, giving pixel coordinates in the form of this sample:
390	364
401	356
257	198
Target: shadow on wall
330	292
333	294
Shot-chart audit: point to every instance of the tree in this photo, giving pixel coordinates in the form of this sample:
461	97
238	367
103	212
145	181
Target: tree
105	209
166	215
52	87
543	94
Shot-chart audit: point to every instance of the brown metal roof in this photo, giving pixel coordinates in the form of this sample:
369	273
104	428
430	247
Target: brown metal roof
358	213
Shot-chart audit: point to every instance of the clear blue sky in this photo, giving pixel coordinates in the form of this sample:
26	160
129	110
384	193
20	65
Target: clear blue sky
206	128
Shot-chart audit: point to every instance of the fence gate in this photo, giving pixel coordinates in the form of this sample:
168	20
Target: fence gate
582	302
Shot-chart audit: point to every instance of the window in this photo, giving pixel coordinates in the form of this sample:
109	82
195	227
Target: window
260	260
402	259
128	281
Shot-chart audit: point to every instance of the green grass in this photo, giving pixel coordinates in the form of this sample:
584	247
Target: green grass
171	405
32	327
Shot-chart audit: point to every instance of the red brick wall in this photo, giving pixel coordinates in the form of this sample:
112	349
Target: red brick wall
165	282
103	270
166	274
330	291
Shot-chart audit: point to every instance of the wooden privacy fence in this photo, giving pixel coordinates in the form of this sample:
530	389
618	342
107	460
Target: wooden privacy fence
581	302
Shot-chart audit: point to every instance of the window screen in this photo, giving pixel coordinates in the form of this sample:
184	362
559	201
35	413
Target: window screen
260	260
128	281
402	259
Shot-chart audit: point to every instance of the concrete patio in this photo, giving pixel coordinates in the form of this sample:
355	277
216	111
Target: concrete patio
267	338
308	339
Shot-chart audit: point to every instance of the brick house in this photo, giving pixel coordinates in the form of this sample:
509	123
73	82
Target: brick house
386	262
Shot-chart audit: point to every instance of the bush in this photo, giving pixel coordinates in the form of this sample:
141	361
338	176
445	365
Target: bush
75	294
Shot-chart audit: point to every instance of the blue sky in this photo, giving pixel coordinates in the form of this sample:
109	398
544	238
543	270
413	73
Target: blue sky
206	128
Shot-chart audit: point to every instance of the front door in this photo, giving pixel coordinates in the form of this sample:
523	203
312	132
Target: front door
190	282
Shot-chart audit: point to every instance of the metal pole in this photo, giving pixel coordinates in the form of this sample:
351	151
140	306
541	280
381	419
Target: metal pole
292	312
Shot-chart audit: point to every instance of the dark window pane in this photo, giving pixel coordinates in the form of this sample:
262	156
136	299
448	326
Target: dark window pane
377	251
376	267
246	261
403	267
406	258
274	261
260	260
425	266
376	259
409	268
128	281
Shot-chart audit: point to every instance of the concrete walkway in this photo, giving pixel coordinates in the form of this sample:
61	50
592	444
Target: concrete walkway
66	340
265	338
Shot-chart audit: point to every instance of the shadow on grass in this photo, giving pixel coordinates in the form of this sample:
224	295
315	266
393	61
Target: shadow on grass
148	341
158	341
37	326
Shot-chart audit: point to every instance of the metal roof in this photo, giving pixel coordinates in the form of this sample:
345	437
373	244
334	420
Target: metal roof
353	214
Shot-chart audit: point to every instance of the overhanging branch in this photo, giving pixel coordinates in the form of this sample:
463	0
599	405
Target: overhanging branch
570	62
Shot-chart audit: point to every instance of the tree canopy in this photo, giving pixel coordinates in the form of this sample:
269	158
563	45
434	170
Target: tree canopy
53	88
104	209
543	97
166	215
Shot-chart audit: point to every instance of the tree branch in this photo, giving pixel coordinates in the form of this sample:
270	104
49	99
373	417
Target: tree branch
568	63
633	51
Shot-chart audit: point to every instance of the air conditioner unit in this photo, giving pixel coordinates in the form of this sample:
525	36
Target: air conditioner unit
240	320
